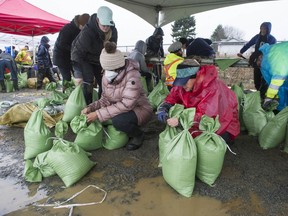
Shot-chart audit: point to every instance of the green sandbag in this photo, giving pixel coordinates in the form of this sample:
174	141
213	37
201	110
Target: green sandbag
114	139
274	132
69	161
22	80
75	104
211	149
91	137
180	159
42	102
253	115
55	95
36	135
238	90
158	94
78	122
41	164
31	173
61	128
9	85
170	132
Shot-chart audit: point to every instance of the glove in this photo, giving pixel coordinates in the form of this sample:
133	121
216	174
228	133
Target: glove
270	104
162	116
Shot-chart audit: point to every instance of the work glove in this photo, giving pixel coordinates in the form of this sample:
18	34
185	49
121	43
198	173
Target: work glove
162	116
270	104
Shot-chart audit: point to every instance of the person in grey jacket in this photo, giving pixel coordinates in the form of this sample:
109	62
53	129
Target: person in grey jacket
87	47
138	54
123	98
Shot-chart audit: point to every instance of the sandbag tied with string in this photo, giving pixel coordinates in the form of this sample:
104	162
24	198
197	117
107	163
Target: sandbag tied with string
180	158
113	138
75	104
69	161
211	149
57	96
36	135
274	132
158	94
89	137
169	132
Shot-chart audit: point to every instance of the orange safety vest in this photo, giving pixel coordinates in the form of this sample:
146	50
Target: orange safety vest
169	79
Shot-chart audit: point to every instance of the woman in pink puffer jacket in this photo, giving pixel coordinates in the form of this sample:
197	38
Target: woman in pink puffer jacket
123	99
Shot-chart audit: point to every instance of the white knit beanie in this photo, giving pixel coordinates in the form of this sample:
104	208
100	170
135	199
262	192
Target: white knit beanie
111	58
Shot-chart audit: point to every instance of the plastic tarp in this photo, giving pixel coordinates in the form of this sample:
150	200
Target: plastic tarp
162	12
22	18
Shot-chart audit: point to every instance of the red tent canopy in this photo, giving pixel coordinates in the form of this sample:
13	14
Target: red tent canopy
22	18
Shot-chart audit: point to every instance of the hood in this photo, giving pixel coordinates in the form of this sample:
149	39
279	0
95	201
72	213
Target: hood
268	26
141	47
129	65
158	31
44	40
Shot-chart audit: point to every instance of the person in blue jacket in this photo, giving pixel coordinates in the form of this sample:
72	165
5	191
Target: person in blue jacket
258	40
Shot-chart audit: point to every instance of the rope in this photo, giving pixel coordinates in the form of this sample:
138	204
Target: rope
71	206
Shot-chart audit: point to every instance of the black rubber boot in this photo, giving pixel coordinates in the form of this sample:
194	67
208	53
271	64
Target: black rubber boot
3	87
15	85
135	142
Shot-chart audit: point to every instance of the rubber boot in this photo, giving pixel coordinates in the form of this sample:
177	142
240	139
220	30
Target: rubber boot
3	87
15	85
136	142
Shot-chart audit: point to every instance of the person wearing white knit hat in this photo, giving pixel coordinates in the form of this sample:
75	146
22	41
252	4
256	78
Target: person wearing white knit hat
123	99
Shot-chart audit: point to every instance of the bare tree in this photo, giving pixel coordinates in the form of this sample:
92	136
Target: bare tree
232	32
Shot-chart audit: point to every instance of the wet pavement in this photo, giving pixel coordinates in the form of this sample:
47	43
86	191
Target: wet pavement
254	182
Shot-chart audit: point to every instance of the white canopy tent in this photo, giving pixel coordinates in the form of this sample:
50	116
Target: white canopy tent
161	12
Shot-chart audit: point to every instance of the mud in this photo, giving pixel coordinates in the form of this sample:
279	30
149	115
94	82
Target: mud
252	182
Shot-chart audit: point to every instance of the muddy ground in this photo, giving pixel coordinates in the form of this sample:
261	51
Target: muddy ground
254	182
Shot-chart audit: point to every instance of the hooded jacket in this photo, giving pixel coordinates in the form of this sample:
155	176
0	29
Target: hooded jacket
89	43
155	44
138	53
62	47
211	97
259	40
43	56
123	94
274	68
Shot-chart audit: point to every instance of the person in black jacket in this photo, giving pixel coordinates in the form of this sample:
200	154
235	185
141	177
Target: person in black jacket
62	47
200	47
155	44
87	47
44	62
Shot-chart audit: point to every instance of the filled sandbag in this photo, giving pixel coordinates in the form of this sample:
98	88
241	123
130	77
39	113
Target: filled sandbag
75	104
114	138
31	173
69	161
253	115
274	132
169	133
180	159
36	136
41	164
158	94
211	149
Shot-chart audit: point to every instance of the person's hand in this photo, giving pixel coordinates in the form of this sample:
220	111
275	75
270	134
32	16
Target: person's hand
173	122
85	111
162	116
92	116
270	104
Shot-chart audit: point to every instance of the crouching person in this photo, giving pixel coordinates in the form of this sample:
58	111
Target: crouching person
123	99
200	88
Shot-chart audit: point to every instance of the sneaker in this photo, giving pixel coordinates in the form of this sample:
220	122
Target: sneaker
135	143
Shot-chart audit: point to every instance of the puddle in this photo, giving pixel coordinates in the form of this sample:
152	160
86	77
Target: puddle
150	197
14	196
